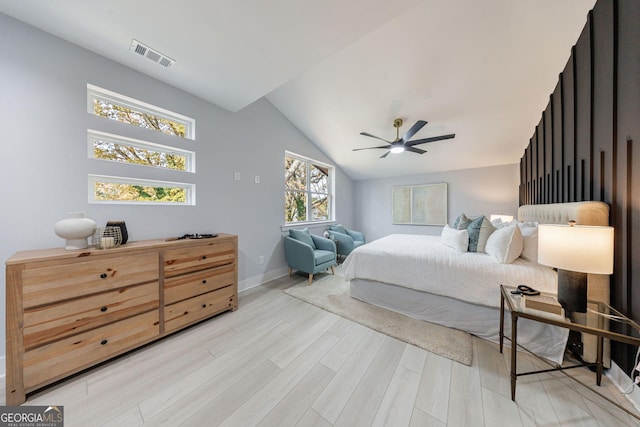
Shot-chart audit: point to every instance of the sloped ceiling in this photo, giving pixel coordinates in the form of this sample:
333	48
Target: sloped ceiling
480	69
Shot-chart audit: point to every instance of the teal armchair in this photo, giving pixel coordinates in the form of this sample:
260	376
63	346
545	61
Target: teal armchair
347	239
309	253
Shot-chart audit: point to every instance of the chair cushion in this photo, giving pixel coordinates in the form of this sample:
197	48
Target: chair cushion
339	228
323	256
303	236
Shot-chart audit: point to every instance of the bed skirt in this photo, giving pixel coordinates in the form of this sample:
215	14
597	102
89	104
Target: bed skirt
544	340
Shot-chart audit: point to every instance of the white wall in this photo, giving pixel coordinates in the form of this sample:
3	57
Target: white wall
44	170
480	191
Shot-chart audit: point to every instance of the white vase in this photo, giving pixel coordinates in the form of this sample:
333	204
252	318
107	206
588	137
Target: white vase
75	229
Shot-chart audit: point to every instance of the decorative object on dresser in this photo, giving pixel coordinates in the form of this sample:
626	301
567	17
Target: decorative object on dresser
575	250
106	237
68	311
75	230
123	229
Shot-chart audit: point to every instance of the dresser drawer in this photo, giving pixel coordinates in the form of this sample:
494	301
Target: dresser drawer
51	322
44	285
187	259
200	307
74	353
189	285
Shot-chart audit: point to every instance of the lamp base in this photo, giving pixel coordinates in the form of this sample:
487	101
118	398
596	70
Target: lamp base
572	291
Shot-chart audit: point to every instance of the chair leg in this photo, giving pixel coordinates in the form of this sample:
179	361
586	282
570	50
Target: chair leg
332	272
310	279
290	271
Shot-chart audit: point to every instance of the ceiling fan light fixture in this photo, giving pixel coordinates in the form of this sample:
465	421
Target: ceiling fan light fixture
397	149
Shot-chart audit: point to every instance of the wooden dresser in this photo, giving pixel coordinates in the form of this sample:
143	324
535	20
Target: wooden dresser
69	310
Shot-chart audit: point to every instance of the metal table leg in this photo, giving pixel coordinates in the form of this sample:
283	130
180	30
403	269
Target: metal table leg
514	351
501	322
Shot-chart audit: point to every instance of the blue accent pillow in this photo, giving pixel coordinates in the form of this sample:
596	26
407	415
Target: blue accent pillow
473	228
302	235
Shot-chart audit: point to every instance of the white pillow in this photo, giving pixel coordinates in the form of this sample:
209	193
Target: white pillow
456	239
529	232
486	229
505	244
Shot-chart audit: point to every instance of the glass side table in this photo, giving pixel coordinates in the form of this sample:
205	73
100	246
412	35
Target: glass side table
601	321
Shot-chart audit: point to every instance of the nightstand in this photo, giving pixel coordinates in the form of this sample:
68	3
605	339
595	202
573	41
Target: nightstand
601	320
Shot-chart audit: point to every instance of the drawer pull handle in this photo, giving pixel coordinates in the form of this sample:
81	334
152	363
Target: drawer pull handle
204	281
103	309
103	276
103	342
204	305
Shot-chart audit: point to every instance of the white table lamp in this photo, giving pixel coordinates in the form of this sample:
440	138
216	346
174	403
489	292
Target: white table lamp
575	250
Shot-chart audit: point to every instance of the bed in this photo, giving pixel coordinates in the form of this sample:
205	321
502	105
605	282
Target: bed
420	277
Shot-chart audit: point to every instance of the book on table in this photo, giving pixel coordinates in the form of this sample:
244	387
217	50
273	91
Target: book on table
543	303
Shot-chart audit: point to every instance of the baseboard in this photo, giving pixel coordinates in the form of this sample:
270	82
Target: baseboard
623	382
261	279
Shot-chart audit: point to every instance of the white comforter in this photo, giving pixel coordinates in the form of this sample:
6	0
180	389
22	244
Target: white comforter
424	264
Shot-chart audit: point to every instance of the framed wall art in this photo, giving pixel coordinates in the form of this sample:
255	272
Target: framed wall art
424	204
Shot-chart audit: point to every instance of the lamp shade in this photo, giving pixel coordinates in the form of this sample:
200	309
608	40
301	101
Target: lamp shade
579	248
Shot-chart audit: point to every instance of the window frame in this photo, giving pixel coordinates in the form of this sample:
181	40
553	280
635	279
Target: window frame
309	194
144	107
95	135
190	190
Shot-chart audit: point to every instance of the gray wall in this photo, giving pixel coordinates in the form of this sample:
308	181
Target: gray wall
480	191
44	173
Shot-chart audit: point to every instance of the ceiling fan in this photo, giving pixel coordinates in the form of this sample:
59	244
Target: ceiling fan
403	144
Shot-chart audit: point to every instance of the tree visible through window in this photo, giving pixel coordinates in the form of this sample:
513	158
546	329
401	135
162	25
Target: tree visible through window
123	149
114	189
105	146
307	190
114	106
110	110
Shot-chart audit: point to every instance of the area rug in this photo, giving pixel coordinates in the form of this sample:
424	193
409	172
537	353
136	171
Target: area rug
331	293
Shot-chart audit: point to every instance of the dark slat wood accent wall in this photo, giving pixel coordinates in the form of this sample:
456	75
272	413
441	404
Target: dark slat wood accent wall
586	144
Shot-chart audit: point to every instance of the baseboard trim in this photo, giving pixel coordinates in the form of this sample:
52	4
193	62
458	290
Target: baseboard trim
261	279
623	382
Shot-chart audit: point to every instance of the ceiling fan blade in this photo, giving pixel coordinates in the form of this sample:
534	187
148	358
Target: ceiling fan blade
373	136
414	129
370	148
415	150
432	139
385	155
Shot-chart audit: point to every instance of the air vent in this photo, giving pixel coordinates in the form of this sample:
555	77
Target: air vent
151	54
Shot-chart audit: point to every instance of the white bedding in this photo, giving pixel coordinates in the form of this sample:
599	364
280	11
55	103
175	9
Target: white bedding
423	263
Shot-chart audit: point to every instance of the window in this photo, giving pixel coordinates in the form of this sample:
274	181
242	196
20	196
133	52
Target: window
308	190
122	149
111	189
116	148
111	105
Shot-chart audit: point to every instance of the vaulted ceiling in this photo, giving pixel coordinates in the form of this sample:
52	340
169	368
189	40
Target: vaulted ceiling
480	69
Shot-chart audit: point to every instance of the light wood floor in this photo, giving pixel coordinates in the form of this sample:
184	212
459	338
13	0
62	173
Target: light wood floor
278	361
